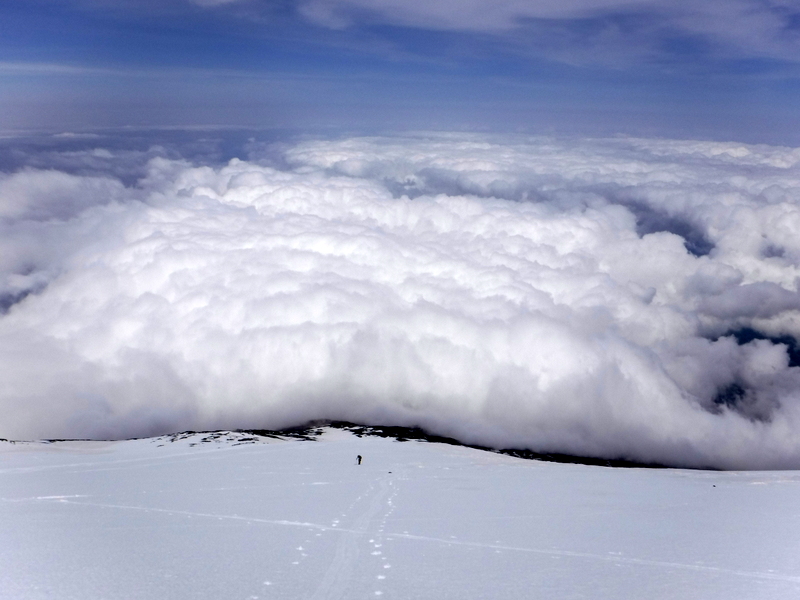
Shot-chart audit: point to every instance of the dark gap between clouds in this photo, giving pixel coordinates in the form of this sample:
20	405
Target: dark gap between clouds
737	397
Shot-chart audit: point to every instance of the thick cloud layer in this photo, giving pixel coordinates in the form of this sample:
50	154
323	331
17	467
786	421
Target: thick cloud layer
616	298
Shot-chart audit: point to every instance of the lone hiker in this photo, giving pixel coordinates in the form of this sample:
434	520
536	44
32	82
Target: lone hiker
358	459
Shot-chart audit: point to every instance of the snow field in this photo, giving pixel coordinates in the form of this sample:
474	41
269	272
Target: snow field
299	519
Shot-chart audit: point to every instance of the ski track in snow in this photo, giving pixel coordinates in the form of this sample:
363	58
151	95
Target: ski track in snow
613	558
187	513
334	584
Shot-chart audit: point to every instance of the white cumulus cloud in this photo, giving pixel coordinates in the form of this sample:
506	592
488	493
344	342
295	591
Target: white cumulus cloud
616	298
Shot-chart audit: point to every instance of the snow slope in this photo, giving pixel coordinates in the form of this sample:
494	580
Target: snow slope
242	517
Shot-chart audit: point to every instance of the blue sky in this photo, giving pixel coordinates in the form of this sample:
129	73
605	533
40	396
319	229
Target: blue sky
725	70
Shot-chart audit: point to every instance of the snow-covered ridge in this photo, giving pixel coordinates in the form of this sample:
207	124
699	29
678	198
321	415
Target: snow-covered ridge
326	429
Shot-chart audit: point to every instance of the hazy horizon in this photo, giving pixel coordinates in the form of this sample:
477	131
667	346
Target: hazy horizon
725	70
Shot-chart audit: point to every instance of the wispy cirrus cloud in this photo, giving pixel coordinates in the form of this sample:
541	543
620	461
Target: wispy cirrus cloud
34	68
740	28
648	29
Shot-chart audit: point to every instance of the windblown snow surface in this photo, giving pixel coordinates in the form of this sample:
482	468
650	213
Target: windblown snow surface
619	298
234	516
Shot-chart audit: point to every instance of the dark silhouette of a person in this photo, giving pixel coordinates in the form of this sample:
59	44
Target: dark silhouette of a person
358	458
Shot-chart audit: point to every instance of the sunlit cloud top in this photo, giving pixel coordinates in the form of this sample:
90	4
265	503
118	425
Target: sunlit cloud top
632	298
